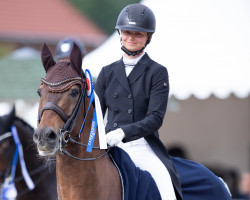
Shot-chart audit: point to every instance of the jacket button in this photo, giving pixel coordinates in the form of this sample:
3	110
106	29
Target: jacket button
129	96
116	110
115	95
129	111
115	125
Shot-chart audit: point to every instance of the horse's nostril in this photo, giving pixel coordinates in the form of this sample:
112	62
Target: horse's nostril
51	135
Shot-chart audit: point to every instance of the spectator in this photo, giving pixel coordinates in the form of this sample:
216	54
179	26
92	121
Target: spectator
64	47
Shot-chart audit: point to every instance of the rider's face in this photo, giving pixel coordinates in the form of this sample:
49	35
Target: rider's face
132	40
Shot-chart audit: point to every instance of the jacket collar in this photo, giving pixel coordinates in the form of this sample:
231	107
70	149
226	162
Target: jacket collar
139	69
119	71
120	74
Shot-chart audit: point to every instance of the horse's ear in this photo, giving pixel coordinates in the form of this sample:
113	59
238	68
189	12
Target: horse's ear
47	58
11	116
76	59
13	111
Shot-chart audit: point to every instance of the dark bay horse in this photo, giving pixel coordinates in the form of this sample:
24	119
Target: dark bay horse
43	176
62	110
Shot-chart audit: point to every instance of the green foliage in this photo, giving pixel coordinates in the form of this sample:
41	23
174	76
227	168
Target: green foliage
20	78
5	49
102	12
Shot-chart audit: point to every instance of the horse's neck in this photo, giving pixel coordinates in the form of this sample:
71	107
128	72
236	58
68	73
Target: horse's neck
73	175
93	179
78	150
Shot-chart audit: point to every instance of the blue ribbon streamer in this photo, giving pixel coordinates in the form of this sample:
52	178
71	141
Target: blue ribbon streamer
9	191
25	173
90	102
92	133
14	164
93	126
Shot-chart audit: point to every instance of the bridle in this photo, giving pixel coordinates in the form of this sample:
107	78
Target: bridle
65	132
5	174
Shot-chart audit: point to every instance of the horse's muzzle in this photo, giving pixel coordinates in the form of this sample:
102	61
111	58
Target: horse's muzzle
46	140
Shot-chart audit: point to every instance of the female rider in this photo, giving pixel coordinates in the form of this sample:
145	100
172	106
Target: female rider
134	90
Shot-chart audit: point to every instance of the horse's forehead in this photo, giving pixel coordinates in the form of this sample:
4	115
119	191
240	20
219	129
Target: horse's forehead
61	77
61	71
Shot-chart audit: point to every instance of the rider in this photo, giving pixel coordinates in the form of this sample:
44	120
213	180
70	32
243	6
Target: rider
134	90
64	47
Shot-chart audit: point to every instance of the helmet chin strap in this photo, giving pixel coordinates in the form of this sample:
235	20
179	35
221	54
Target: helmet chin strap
132	53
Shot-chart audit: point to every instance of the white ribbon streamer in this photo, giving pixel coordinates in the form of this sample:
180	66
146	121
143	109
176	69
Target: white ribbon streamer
101	128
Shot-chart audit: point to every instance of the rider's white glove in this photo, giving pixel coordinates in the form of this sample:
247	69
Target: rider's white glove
114	137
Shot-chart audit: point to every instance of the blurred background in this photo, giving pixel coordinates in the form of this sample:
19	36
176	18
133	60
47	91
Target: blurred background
205	46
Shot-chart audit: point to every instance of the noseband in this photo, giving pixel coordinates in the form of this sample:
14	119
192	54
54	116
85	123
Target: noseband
67	129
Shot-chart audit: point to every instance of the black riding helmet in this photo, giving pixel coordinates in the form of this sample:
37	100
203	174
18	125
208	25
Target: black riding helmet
136	17
64	47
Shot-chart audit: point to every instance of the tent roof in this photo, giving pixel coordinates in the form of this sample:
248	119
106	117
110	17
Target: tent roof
33	20
205	46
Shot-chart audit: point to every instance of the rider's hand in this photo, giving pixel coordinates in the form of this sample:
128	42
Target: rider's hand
113	138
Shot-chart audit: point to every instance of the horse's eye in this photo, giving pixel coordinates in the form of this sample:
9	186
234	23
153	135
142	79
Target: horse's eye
74	92
39	92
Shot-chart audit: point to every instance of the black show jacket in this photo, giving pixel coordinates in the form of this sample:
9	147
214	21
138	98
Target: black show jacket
137	104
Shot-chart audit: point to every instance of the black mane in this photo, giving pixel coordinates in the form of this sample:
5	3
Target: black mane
26	124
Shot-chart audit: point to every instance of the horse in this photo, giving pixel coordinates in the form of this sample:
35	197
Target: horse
43	176
62	117
63	130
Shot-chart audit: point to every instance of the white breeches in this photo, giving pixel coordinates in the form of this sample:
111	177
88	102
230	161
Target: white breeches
144	158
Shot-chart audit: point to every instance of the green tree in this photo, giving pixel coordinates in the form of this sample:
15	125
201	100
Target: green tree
102	12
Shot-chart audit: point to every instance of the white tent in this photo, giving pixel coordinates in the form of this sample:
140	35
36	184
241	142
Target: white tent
205	46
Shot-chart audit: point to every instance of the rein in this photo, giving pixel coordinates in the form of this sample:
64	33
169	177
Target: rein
65	132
